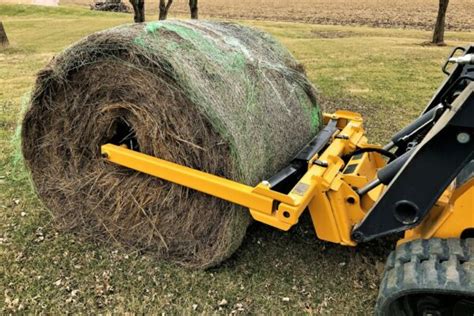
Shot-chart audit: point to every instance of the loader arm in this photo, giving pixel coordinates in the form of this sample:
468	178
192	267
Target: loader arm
431	166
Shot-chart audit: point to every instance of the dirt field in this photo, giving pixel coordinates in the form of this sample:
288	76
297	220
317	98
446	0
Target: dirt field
418	14
383	73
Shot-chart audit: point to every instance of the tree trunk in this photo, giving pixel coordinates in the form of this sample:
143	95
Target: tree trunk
138	10
164	8
438	34
193	7
3	36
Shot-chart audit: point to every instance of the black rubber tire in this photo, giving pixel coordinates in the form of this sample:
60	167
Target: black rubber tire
427	268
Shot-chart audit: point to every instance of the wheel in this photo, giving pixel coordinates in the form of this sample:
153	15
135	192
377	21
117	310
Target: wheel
429	277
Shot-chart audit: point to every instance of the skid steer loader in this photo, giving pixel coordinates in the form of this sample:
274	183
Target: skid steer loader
420	186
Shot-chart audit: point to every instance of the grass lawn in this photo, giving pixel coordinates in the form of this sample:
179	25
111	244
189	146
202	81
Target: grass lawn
384	73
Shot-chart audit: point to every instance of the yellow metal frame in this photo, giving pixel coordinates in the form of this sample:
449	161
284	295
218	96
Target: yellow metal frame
327	189
452	215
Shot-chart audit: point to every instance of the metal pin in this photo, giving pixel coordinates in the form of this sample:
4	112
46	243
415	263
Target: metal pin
266	183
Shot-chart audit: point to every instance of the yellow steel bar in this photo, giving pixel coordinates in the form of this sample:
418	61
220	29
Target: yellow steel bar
270	219
201	181
264	190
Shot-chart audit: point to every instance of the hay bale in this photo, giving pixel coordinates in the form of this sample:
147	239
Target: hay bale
218	97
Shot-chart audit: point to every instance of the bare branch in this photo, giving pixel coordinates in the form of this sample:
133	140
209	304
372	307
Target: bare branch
164	8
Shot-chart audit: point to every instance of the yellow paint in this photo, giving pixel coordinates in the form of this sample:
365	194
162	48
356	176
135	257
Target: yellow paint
270	207
449	217
328	190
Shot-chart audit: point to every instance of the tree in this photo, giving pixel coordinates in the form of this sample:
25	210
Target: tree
164	8
138	10
193	8
438	34
3	36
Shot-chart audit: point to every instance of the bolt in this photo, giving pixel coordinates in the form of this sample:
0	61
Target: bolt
463	138
266	183
321	163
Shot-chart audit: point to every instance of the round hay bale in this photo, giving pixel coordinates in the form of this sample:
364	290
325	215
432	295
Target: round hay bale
218	97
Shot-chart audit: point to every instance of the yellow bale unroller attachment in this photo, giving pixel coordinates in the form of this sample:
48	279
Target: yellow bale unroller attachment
419	186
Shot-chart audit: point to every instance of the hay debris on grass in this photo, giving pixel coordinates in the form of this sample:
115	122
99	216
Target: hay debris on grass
218	97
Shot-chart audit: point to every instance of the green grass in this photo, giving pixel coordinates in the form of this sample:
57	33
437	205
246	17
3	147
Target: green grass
386	74
11	11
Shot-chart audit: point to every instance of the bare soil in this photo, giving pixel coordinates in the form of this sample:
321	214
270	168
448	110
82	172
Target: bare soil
418	14
413	14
